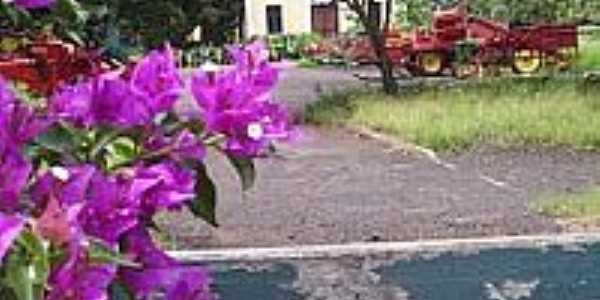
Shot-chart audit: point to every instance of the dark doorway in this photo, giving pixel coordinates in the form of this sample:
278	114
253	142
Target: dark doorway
274	19
325	19
375	12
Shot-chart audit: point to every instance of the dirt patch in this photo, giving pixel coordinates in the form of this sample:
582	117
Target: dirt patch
335	187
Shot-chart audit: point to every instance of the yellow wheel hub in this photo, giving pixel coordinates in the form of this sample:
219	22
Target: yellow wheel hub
431	63
9	44
527	61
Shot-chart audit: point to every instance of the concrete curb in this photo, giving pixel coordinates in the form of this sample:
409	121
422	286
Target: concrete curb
378	249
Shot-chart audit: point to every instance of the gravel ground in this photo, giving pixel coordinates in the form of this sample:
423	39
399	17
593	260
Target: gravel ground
333	186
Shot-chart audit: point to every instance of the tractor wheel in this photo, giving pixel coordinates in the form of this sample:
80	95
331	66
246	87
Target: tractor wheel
430	63
527	61
9	44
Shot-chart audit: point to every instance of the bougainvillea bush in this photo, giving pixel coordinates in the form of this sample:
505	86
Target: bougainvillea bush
85	171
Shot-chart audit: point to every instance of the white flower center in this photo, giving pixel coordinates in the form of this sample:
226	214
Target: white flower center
255	131
61	173
210	67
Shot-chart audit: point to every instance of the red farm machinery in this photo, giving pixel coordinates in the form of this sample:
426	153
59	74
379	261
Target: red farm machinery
465	45
43	64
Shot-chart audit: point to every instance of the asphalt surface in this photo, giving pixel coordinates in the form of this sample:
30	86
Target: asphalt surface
333	186
299	87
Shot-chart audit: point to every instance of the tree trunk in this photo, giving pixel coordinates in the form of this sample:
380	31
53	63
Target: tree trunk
388	15
377	39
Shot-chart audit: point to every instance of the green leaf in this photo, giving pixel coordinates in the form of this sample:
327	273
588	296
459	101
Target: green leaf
245	170
17	277
75	37
124	148
27	268
118	291
60	143
121	150
101	253
62	139
57	139
205	204
39	256
71	10
16	15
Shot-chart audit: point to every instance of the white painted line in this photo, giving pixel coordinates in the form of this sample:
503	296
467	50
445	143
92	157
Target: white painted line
397	145
494	182
374	249
435	158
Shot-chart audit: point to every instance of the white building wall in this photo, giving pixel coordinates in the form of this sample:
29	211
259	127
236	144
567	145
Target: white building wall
296	16
345	18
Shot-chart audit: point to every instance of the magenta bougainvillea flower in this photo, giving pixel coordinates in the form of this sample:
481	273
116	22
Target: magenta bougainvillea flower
250	56
78	278
252	64
33	4
15	170
109	212
91	202
251	132
236	103
23	124
157	79
69	185
18	125
153	88
103	101
7	97
93	165
162	186
160	273
184	146
10	228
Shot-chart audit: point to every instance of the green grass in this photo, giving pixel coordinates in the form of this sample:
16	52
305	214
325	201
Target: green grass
308	63
581	207
504	113
589	54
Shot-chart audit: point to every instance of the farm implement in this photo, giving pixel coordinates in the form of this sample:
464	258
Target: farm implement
44	64
466	45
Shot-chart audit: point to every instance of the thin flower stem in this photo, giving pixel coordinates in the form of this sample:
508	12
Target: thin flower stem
213	140
104	141
150	156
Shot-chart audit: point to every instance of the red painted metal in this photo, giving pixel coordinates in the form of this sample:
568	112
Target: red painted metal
497	42
44	65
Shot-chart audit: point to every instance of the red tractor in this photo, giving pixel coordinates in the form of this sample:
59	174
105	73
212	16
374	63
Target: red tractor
45	63
465	44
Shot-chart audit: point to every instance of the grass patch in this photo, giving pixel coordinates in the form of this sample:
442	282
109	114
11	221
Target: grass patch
589	54
308	63
581	207
504	113
334	108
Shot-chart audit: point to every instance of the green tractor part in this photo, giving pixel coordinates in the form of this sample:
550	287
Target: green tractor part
464	64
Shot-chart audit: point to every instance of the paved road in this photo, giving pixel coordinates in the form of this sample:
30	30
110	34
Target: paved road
299	87
335	187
